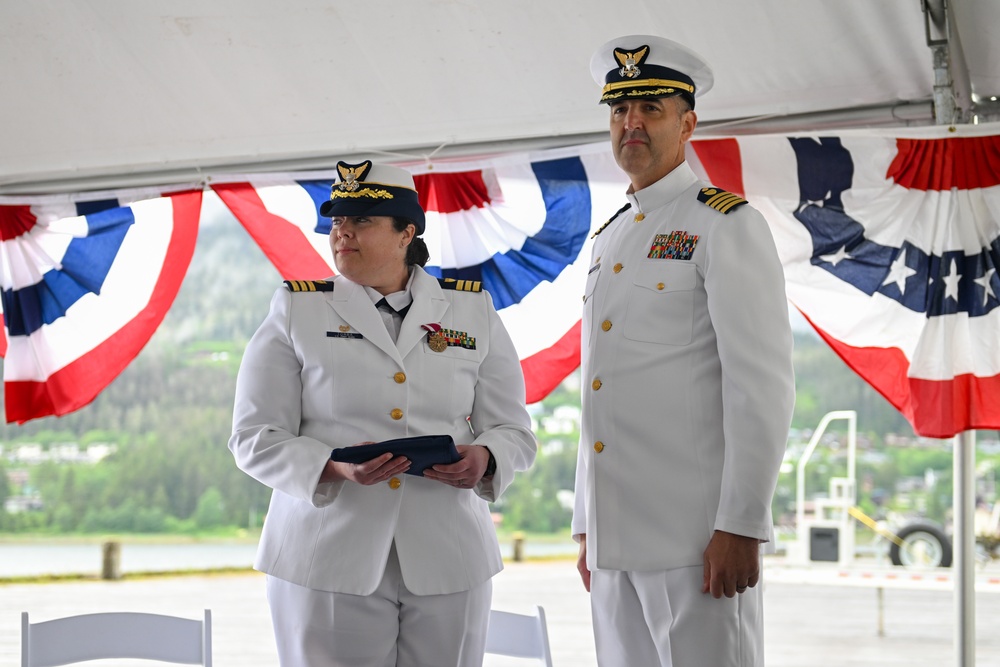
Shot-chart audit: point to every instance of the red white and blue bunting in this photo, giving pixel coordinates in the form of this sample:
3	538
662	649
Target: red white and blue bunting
890	243
85	285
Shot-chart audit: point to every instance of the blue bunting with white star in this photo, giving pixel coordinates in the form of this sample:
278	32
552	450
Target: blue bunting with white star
890	245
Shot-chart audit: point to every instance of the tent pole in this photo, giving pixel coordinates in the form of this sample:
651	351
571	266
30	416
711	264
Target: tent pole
951	81
947	111
963	508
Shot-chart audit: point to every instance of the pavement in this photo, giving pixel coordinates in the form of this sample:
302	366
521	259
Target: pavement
814	617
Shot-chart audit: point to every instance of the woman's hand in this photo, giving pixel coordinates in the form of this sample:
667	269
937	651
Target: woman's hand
466	472
581	562
370	472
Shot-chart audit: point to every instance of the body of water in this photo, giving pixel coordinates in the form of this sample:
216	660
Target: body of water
44	558
32	559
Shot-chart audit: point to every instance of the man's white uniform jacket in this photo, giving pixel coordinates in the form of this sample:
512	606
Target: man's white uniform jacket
322	372
687	378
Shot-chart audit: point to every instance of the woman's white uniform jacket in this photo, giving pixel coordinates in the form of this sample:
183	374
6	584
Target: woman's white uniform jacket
687	378
322	372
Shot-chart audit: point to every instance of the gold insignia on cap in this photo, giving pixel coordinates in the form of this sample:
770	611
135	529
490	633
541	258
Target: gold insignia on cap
364	193
351	175
630	61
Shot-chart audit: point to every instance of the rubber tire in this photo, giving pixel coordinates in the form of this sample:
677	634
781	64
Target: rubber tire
928	529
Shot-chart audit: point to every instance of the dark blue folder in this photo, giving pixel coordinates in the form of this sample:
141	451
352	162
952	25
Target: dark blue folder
423	451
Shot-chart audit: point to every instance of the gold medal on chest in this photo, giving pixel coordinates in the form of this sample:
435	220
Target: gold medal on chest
437	342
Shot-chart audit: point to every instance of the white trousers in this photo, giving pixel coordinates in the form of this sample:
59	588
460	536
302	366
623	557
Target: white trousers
392	627
662	619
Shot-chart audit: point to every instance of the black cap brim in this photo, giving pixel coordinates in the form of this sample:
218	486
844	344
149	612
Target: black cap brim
404	204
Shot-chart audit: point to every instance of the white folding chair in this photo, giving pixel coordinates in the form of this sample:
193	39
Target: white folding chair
519	635
72	639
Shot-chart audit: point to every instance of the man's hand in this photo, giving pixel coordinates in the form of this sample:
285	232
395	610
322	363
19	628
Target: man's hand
732	563
464	473
581	563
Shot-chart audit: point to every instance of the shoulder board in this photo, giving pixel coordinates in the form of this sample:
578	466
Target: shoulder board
612	219
720	200
461	285
309	285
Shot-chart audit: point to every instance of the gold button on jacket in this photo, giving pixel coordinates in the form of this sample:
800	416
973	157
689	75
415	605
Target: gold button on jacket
606	325
598	446
399	377
394	483
396	413
596	384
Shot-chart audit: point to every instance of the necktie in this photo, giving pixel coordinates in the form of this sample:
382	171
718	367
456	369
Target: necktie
384	305
395	319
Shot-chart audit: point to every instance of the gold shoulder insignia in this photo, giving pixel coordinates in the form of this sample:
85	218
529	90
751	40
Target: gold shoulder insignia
611	219
309	285
461	285
720	200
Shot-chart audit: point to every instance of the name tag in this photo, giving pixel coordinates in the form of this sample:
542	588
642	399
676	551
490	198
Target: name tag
341	334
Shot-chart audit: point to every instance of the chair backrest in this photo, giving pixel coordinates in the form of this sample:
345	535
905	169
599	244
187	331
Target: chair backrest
72	639
519	635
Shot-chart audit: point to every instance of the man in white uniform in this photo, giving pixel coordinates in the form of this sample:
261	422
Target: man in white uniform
688	386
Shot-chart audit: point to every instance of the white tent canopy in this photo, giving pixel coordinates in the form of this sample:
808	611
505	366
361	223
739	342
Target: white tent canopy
101	94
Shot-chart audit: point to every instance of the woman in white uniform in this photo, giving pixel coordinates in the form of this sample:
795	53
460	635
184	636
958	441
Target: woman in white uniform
368	565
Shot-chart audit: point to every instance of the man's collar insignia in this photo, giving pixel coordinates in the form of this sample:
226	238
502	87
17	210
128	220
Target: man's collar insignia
351	175
630	61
